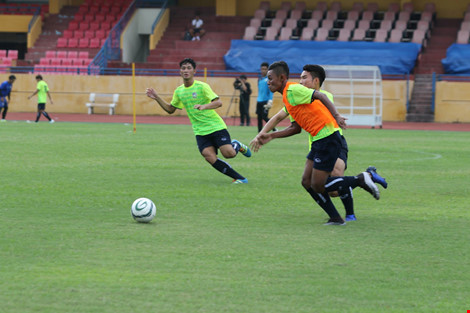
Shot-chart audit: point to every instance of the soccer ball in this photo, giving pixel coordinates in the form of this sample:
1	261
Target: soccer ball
143	210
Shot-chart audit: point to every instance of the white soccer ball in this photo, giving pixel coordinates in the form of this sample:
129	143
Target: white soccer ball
143	210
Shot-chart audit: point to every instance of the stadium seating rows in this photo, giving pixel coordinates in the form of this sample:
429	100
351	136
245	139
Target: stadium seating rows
359	24
62	61
92	24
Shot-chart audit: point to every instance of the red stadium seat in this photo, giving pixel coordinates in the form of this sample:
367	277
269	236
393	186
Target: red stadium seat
99	18
84	26
61	54
73	43
73	25
83	55
62	42
56	62
68	33
89	34
13	54
100	34
105	26
95	43
94	26
72	54
78	34
50	54
84	43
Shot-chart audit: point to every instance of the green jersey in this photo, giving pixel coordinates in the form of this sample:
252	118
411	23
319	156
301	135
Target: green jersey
204	122
42	91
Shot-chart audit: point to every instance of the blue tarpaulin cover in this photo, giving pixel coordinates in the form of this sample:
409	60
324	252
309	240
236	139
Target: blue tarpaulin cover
392	58
457	59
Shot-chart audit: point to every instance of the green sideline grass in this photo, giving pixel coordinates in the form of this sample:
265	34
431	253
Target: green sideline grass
69	244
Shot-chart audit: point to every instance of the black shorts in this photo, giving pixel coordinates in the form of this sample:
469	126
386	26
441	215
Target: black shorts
41	106
215	139
326	151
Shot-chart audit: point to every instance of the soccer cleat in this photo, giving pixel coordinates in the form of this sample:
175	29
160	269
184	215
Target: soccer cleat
366	183
243	148
351	217
3	120
51	121
376	177
240	181
337	221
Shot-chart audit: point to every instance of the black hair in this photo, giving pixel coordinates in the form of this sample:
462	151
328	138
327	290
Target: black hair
316	71
188	60
39	77
12	77
280	67
243	77
264	64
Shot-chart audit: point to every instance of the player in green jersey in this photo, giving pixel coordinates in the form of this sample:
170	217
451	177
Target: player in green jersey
42	90
211	132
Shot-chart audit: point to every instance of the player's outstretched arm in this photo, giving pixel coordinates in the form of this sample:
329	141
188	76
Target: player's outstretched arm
264	135
152	94
341	120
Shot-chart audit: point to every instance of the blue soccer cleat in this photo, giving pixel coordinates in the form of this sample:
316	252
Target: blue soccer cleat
350	218
376	178
240	181
243	148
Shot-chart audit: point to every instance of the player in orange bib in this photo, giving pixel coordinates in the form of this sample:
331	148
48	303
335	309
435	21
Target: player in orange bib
316	114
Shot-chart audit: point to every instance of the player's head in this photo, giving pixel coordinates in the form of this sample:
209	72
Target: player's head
243	77
187	68
38	77
11	78
188	61
278	74
312	76
264	68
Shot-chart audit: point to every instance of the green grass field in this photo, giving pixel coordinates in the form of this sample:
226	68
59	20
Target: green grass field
69	244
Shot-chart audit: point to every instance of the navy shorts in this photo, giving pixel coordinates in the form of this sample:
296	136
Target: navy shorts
215	139
326	151
41	106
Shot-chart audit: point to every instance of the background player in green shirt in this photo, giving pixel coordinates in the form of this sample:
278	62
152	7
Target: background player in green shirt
42	90
211	132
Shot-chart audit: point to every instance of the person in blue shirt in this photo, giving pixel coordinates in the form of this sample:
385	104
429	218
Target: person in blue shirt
5	90
265	96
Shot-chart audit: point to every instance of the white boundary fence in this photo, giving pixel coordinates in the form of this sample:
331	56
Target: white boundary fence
357	92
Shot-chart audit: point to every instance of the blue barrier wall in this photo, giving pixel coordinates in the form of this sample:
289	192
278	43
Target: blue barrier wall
392	58
457	59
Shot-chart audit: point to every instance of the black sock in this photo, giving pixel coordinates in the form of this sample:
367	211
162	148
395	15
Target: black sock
324	200
347	199
226	169
38	116
46	115
4	113
341	184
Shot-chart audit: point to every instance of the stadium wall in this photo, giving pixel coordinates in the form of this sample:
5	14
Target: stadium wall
71	92
452	102
14	23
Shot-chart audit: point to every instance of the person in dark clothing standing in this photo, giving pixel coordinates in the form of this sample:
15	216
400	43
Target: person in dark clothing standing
245	92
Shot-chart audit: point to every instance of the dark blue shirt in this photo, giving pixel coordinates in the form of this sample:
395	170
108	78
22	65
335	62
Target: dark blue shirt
5	89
